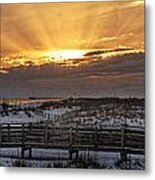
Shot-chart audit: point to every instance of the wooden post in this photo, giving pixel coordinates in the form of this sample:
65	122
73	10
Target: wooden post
0	135
76	141
49	117
30	153
96	137
125	115
23	143
88	154
71	141
123	152
30	127
9	132
46	133
77	154
113	112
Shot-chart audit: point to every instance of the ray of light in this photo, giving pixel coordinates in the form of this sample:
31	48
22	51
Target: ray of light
54	28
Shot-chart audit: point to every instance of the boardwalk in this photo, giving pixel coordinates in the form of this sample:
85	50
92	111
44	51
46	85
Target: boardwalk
73	139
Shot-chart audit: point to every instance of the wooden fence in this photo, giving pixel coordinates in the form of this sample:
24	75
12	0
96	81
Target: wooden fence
44	135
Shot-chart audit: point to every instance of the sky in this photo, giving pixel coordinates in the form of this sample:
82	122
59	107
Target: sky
72	49
52	26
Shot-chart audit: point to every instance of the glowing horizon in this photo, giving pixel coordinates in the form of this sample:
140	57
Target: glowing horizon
56	33
68	58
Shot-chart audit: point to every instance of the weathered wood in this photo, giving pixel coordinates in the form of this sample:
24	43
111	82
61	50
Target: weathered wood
30	153
123	150
46	132
23	142
76	141
96	137
30	127
0	134
73	139
70	143
8	128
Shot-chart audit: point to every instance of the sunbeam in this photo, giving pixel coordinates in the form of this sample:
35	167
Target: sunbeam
68	30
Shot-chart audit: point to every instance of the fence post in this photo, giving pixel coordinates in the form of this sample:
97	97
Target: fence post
23	143
71	141
46	132
9	132
0	135
96	138
123	151
30	127
76	141
30	153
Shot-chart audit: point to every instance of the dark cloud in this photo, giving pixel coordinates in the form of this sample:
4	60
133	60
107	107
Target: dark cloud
92	53
118	75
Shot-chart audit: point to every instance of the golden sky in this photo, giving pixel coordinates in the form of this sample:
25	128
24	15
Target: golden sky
78	25
67	49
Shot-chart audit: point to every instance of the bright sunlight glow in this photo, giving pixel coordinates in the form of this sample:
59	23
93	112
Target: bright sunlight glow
62	55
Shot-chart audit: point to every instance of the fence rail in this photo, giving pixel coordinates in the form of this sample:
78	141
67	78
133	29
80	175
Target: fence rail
74	139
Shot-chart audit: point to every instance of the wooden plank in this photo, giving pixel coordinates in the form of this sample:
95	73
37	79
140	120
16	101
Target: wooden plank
0	134
23	141
47	136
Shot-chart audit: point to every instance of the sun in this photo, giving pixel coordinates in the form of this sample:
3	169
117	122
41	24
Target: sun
63	55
